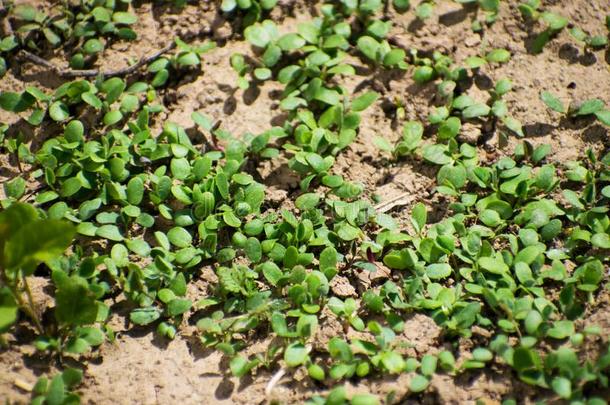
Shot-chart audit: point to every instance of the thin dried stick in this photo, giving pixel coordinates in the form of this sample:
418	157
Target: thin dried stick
274	380
389	204
95	72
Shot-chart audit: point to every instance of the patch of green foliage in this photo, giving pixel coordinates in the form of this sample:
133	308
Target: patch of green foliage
156	206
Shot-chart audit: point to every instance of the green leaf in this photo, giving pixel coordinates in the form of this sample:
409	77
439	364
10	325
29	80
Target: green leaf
368	46
307	201
498	56
423	74
290	42
178	306
393	362
179	237
74	131
561	329
122	17
419	217
347	232
144	316
240	365
56	394
418	383
493	265
8	309
257	35
58	111
437	271
112	117
562	387
101	14
482	354
253	250
476	110
296	354
92	335
514	125
590	107
601	240
262	73
272	273
120	255
328	96
75	304
363	101
110	232
72	376
383	144
188	59
525	359
92	46
16	102
135	190
180	168
449	128
138	246
15	188
36	242
603	116
555	22
428	365
475	62
424	11
113	88
436	154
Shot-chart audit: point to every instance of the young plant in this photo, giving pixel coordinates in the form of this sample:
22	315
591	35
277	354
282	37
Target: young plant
590	107
26	240
252	9
590	42
555	23
59	390
409	143
187	57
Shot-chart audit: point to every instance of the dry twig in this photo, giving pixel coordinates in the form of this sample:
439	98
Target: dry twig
400	200
95	72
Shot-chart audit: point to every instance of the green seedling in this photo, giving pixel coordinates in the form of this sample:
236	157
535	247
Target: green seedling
555	23
425	9
187	57
252	9
590	42
590	107
59	390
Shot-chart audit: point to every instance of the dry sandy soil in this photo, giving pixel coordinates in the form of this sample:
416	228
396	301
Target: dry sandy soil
141	368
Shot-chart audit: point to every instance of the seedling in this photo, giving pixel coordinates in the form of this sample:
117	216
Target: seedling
594	107
555	23
489	7
162	204
25	241
590	42
252	9
187	57
59	390
425	9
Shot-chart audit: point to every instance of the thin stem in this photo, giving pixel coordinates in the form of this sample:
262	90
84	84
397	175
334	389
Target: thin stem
95	72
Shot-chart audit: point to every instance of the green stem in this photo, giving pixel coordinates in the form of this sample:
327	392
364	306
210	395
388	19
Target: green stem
27	309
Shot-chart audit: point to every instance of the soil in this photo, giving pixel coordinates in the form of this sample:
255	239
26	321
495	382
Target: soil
142	368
